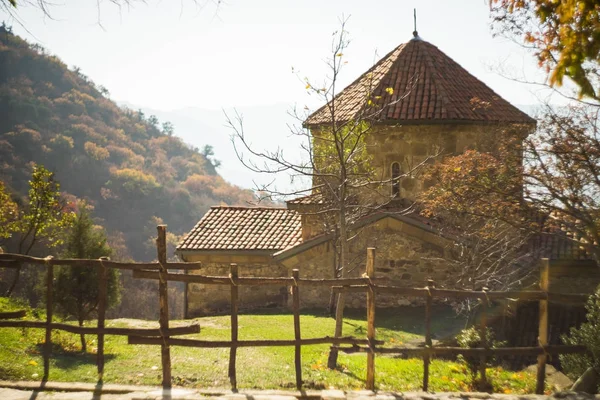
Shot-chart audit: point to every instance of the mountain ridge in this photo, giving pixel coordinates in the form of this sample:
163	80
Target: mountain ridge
134	171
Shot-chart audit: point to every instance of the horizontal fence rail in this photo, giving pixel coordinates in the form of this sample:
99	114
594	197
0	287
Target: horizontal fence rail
183	330
249	343
14	260
367	284
465	294
12	314
454	351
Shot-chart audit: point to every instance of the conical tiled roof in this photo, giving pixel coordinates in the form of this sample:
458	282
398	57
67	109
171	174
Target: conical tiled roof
428	86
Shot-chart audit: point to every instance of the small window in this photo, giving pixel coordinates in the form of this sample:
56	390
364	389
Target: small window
396	179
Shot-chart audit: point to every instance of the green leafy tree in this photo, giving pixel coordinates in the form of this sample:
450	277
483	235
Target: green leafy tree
77	288
44	219
209	153
46	215
168	128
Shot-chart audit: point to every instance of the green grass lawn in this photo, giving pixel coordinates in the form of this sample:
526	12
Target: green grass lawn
265	368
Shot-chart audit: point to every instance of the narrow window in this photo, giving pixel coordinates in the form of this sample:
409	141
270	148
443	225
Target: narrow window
395	179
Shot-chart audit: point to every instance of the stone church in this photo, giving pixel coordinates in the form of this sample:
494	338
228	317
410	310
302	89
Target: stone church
442	106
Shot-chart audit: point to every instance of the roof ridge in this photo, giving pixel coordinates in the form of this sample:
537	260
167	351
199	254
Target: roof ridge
250	208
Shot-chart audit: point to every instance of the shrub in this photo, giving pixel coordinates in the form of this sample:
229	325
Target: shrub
588	334
471	338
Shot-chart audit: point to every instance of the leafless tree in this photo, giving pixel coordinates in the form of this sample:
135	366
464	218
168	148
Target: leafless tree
345	184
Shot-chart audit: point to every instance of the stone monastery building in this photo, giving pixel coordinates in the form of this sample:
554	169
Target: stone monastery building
437	105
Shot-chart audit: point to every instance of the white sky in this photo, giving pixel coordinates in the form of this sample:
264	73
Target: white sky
172	54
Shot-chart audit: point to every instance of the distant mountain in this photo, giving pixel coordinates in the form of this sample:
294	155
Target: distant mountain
268	127
135	171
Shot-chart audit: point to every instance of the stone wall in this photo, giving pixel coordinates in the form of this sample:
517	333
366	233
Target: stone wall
210	299
574	276
411	145
406	256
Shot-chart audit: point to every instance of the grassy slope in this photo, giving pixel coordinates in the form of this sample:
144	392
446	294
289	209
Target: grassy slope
20	357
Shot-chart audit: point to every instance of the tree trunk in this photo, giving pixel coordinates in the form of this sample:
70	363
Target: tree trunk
332	295
332	303
82	337
339	320
14	282
341	300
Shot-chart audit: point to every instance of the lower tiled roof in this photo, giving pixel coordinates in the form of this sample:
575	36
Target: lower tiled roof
244	228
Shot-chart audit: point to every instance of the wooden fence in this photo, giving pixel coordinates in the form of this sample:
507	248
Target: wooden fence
16	260
369	345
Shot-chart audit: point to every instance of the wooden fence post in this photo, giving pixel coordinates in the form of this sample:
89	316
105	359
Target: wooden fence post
234	326
161	248
426	356
102	293
297	336
371	319
543	325
49	308
483	335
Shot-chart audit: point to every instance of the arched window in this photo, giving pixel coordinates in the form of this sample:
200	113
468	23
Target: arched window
396	179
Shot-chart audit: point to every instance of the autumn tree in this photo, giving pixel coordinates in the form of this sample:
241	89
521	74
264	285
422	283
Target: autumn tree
562	159
76	288
477	199
563	35
545	184
8	214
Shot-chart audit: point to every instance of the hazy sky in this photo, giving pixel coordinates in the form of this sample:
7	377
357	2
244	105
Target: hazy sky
173	54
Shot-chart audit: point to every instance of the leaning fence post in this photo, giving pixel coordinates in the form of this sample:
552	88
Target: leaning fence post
49	307
371	319
297	336
234	325
102	293
161	248
426	355
543	325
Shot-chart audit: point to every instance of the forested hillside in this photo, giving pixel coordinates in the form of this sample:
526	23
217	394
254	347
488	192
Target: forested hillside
129	166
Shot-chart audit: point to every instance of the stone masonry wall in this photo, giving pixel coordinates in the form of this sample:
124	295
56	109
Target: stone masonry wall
210	299
410	145
405	256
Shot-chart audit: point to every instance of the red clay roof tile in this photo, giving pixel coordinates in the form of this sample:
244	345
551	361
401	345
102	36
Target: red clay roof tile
428	86
244	228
